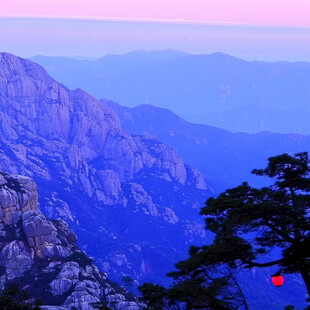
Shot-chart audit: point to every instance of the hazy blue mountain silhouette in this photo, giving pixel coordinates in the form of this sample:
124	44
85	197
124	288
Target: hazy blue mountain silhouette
215	89
225	159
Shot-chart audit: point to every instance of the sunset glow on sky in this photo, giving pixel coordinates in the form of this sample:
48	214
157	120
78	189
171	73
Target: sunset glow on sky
250	29
287	13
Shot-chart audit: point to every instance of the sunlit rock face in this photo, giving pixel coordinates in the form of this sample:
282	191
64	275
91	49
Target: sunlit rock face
39	254
121	192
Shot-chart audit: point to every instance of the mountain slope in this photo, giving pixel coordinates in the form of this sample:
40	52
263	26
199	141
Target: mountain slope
215	89
128	197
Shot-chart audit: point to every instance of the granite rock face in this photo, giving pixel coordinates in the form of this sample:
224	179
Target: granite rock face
77	129
40	255
112	185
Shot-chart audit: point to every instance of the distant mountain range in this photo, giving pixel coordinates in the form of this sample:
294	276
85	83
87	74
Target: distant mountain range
216	89
225	159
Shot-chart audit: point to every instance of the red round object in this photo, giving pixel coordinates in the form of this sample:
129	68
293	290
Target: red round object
278	280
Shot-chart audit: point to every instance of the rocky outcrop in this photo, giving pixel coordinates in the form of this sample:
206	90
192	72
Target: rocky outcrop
90	170
14	203
16	258
40	256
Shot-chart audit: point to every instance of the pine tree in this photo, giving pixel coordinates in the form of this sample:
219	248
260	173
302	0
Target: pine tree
277	215
248	223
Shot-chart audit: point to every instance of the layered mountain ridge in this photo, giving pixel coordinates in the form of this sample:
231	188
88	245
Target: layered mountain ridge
225	159
213	89
41	258
117	190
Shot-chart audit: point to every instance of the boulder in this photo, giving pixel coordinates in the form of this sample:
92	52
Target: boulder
16	257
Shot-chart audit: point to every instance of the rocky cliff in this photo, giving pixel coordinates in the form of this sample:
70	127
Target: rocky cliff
40	255
131	199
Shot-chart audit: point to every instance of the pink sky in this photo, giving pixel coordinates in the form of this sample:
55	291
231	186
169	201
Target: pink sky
289	13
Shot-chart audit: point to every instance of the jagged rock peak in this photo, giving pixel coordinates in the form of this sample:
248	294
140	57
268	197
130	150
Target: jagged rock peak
40	255
51	110
12	66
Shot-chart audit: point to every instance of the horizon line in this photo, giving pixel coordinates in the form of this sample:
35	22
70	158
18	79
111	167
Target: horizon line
147	20
94	58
